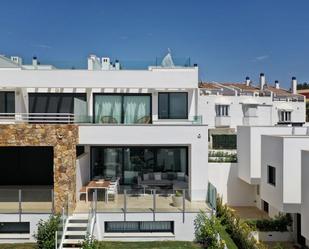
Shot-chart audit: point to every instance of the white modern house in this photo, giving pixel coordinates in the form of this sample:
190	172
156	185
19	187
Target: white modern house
123	153
128	144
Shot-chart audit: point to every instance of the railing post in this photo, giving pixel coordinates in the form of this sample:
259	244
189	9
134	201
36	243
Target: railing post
56	240
53	202
154	204
19	204
183	205
125	204
63	218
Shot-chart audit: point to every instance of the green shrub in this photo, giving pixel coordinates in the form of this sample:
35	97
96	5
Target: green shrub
45	235
279	223
239	231
90	243
207	231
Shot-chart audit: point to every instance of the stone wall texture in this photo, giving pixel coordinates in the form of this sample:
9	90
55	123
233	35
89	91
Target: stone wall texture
63	138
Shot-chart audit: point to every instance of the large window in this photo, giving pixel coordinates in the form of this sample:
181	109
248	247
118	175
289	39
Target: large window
53	102
7	102
139	226
122	108
224	142
222	110
173	105
285	116
130	162
271	175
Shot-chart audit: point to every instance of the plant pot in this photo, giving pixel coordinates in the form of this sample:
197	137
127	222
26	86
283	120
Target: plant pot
177	201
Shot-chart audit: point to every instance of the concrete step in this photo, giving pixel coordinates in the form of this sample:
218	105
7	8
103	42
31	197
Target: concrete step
81	225
75	233
72	241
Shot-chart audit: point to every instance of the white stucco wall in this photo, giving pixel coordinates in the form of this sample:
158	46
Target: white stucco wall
32	218
82	171
283	153
183	229
195	137
233	190
249	148
305	194
154	78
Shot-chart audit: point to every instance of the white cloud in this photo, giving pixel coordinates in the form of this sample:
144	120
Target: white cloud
44	46
261	57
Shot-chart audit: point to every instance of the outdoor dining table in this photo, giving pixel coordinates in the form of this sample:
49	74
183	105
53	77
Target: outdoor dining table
97	185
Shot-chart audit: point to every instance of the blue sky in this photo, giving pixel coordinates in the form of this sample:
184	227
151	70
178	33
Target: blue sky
228	39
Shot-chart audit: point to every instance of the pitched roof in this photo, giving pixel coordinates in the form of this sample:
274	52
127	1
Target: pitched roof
209	85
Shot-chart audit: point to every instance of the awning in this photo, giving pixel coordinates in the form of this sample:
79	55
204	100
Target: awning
285	107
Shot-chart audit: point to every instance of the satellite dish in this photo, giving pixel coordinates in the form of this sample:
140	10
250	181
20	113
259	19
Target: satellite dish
168	60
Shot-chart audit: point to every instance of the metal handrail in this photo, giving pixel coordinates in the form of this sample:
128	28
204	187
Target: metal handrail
38	117
62	225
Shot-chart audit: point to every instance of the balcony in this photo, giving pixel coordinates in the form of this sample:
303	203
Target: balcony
69	118
144	201
222	121
252	120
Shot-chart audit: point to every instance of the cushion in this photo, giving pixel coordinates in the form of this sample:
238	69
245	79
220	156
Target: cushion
157	176
181	176
171	176
146	177
164	176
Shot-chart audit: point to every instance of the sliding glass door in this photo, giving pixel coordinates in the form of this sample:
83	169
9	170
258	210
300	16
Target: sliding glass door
122	108
130	162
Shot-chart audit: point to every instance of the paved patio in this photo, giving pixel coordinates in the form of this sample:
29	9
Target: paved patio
250	213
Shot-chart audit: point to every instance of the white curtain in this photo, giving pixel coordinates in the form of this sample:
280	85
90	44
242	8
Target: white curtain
107	107
135	108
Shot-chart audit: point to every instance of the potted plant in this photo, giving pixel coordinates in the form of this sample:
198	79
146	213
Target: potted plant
177	198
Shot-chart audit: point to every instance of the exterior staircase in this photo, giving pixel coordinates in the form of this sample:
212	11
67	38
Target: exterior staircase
75	231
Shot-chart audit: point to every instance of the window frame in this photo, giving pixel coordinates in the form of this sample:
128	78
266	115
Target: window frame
271	175
122	95
123	148
168	105
5	97
139	230
35	96
221	110
286	115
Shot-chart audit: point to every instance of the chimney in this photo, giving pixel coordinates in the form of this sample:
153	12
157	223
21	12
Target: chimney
248	81
94	62
34	61
294	85
277	86
117	65
106	63
262	81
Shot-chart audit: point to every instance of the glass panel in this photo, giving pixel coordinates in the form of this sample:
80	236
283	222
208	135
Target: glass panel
2	102
153	226
112	162
178	105
172	159
163	105
66	104
136	109
10	102
53	103
108	109
39	104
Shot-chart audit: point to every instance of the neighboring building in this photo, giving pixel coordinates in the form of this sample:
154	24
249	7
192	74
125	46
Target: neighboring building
224	106
269	159
61	129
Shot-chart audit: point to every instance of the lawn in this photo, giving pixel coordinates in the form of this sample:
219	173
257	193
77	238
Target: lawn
17	246
123	245
227	239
